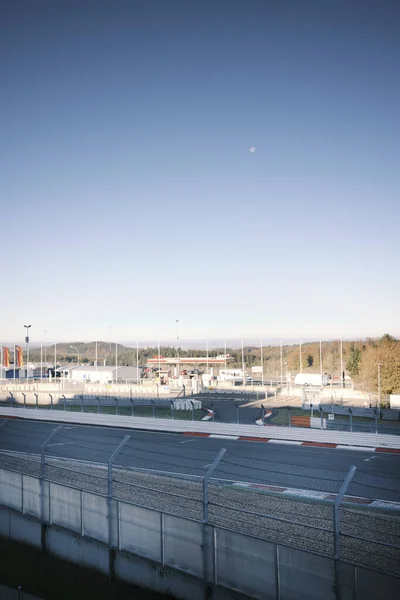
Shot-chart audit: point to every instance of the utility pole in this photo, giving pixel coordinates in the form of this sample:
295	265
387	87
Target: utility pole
281	362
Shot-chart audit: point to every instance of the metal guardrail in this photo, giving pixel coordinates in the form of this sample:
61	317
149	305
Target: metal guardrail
299	434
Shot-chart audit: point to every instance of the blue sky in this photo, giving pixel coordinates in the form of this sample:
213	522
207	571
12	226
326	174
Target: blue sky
129	195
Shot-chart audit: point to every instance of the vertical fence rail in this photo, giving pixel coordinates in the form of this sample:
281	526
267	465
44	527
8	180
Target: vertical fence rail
43	520
336	523
112	544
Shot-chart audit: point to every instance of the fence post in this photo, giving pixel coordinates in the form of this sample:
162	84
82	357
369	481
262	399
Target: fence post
24	395
351	419
111	545
376	420
65	402
42	476
172	408
11	398
262	414
37	400
154	407
289	416
132	402
213	411
237	413
206	478
322	416
98	404
81	397
336	509
51	401
192	403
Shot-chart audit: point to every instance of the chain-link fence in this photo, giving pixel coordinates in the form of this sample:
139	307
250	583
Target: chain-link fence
285	503
238	408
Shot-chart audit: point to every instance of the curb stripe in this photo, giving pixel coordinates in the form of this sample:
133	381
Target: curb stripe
247	438
319	444
391	450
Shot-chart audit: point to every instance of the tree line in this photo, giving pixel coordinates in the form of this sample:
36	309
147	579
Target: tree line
360	358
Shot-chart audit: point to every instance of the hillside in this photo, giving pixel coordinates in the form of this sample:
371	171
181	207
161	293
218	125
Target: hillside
360	358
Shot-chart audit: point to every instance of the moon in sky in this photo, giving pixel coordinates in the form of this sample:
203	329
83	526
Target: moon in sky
252	149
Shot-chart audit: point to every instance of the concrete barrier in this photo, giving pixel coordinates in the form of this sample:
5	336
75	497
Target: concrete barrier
174	555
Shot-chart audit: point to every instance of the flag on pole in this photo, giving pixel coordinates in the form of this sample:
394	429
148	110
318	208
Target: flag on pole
20	357
6	357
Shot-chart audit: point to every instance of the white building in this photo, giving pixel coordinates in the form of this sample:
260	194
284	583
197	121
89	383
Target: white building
106	374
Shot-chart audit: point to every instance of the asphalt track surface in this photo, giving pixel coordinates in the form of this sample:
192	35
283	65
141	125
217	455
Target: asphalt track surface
301	467
152	471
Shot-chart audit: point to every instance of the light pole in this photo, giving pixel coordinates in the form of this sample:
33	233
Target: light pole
320	358
281	350
177	347
301	360
262	364
287	380
244	375
45	345
75	348
27	347
379	384
341	363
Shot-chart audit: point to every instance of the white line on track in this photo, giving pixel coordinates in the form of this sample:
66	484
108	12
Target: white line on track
360	448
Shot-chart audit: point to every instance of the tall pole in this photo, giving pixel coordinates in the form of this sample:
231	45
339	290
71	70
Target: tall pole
137	359
14	362
27	347
287	380
177	346
96	358
159	364
341	363
262	364
207	354
1	350
379	384
225	353
244	375
320	358
301	360
116	362
281	362
41	360
55	359
45	345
